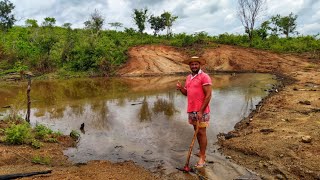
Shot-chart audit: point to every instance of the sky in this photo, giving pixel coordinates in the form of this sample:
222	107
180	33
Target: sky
212	16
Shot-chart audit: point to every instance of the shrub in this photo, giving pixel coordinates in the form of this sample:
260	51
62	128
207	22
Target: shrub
36	144
42	132
18	134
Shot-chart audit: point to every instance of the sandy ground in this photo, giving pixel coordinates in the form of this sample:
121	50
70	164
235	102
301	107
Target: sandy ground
280	140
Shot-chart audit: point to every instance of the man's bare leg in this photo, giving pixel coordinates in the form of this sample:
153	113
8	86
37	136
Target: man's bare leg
202	140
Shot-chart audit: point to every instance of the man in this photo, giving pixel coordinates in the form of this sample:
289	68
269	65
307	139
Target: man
198	91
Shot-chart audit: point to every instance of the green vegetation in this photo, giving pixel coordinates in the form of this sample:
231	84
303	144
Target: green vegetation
274	43
46	49
140	17
7	19
20	132
75	134
46	134
36	144
41	160
51	49
72	51
284	25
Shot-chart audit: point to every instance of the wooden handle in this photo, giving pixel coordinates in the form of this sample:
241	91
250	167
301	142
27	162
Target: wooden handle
192	143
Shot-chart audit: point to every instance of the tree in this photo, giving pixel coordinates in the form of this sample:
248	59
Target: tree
49	22
262	32
67	25
45	39
95	23
140	17
31	23
248	12
69	44
6	18
168	20
157	24
285	25
116	24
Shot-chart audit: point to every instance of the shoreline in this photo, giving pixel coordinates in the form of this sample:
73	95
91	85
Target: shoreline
274	156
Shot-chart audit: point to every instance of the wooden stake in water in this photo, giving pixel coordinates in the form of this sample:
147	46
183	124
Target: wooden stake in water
28	75
28	99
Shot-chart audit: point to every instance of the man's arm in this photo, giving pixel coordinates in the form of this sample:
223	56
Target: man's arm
182	89
207	96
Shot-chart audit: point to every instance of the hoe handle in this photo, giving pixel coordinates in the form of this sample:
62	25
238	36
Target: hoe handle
192	143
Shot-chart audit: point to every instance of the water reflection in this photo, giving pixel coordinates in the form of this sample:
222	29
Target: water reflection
164	106
144	113
141	119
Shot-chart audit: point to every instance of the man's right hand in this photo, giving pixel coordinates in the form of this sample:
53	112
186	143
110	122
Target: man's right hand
181	88
179	85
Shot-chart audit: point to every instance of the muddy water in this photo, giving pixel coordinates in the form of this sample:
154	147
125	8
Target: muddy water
138	119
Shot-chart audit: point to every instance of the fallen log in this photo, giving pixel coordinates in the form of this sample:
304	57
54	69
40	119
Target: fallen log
20	175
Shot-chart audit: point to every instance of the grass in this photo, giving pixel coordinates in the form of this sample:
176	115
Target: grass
37	159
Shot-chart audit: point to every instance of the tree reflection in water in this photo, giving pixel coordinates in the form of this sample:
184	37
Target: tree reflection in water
145	113
100	118
163	106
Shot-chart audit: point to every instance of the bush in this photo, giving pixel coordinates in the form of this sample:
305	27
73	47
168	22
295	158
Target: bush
18	134
42	132
46	134
36	144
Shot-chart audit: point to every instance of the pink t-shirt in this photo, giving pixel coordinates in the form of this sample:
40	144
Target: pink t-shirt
195	94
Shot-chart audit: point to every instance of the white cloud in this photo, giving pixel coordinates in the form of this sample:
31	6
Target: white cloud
212	16
311	29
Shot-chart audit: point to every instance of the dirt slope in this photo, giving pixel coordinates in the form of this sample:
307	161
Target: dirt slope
163	60
153	60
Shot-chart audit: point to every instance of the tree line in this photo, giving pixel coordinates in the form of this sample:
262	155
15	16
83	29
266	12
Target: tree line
44	47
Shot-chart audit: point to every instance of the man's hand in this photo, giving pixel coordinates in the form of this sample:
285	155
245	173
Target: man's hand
179	85
199	116
181	88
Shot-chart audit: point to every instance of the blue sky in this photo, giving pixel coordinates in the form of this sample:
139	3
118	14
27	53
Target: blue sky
212	16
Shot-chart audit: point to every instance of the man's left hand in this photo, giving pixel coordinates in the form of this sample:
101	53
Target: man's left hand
200	115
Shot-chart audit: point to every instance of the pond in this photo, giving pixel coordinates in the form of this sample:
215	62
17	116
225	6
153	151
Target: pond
142	119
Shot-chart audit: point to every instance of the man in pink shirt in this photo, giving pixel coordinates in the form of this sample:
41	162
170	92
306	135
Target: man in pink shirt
198	89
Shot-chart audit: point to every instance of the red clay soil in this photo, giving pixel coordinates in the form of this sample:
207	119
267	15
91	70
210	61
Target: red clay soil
280	140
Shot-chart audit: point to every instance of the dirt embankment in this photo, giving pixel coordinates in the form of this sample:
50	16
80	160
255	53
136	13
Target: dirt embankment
281	139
